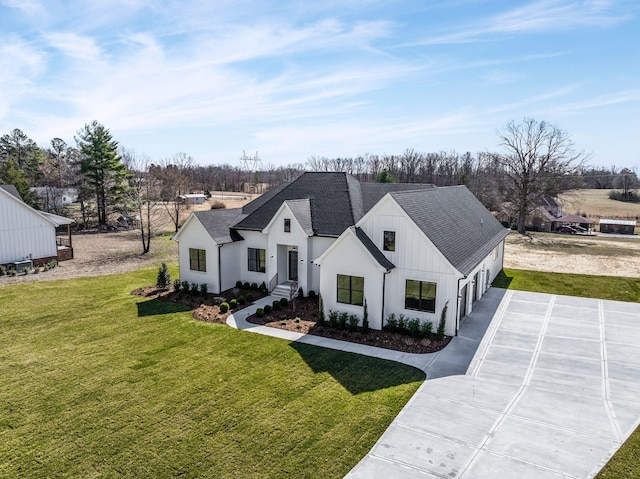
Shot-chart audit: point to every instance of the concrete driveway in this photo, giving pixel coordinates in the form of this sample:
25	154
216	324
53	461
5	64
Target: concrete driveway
552	390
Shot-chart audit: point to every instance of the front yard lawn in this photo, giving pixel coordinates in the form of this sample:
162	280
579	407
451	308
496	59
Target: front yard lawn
99	383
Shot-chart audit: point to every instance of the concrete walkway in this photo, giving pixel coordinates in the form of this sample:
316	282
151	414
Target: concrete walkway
534	386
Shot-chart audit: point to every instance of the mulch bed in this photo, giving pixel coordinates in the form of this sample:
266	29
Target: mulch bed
299	316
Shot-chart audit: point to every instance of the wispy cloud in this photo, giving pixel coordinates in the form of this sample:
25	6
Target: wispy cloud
28	7
610	99
536	17
75	46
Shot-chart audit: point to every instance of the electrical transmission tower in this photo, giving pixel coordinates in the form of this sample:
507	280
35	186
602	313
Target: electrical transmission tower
250	164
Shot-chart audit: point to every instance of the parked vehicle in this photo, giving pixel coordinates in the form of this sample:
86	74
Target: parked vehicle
567	230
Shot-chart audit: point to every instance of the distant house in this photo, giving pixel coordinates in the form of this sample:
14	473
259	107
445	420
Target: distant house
544	216
399	248
52	198
27	234
193	199
623	227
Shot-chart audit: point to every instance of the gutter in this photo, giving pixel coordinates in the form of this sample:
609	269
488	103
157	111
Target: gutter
219	269
459	297
384	284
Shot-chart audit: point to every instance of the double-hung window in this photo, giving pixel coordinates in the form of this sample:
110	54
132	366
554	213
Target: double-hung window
197	259
350	289
287	225
256	259
420	295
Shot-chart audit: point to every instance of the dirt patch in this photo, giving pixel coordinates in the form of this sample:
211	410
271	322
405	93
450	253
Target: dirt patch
557	253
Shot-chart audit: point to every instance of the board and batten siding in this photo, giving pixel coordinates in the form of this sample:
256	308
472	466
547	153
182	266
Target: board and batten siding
24	234
415	258
194	235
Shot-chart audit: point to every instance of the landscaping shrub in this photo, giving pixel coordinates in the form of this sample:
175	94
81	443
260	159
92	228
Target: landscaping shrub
233	304
312	294
224	307
353	322
262	287
342	320
402	322
254	286
300	292
164	278
185	286
413	327
249	297
267	308
176	285
13	272
333	319
276	304
242	300
260	312
426	329
284	302
443	322
195	288
320	311
3	270
238	284
391	323
204	289
365	318
246	285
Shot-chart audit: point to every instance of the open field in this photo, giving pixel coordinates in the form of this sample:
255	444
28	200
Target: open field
99	383
597	204
558	253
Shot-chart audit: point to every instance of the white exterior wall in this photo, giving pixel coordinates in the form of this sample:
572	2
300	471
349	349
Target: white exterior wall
230	263
416	258
23	232
317	246
295	238
349	257
194	235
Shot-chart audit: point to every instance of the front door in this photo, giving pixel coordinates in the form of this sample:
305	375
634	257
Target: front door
293	266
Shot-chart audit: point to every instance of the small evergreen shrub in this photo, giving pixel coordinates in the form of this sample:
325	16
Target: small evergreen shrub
353	322
365	318
260	312
238	284
426	329
224	307
233	304
3	270
391	323
185	286
249	297
164	278
342	320
242	300
204	289
247	285
254	286
13	272
320	311
176	285
284	302
312	294
267	308
300	292
262	287
443	322
195	288
413	327
333	319
276	304
402	323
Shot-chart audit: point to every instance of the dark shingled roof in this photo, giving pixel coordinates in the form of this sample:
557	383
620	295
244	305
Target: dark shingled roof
373	192
218	224
330	196
12	191
371	247
455	222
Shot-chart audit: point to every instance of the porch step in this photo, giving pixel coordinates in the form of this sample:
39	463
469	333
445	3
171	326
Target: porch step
282	291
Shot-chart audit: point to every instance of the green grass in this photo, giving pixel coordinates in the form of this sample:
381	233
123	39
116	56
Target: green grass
626	462
604	287
99	383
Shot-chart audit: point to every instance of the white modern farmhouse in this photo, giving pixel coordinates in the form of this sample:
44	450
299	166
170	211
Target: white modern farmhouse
400	248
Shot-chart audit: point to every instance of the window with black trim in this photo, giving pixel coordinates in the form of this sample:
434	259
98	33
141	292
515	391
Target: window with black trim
420	295
389	241
287	225
197	259
257	260
350	289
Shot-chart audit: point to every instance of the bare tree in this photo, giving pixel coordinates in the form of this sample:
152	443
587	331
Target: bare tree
174	174
539	157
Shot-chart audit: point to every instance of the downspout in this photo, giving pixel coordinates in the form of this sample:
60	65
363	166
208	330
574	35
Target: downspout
384	284
459	297
219	269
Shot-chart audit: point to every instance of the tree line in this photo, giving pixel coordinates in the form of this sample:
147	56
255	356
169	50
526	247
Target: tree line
537	159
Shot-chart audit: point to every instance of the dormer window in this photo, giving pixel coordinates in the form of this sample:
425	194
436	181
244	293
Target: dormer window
389	241
287	225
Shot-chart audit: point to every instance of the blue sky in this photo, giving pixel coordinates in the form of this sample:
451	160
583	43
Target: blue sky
294	79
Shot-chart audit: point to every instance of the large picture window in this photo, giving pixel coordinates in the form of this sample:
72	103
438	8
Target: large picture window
197	259
420	295
257	260
350	289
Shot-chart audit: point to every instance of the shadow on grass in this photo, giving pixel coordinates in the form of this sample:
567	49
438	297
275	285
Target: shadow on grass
357	373
502	280
157	306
